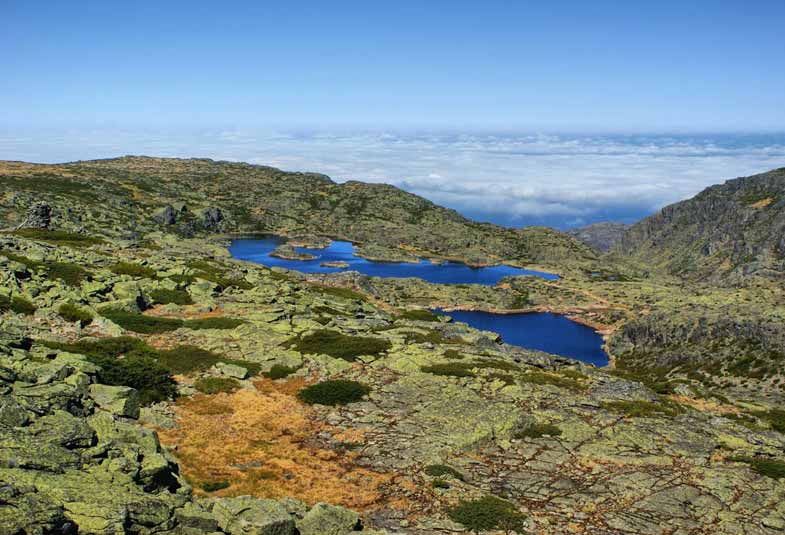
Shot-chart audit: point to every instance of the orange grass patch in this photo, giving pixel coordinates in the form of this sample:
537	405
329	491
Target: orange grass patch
261	442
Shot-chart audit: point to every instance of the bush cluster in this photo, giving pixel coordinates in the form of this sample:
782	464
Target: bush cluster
773	468
441	470
419	315
537	430
642	409
279	371
16	304
163	296
133	270
335	344
336	392
72	313
450	369
59	237
488	513
216	385
152	324
212	486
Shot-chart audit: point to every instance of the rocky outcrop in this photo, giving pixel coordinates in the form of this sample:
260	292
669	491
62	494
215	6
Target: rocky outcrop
600	236
39	216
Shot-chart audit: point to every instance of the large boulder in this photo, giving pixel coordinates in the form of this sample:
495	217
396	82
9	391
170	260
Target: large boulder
212	217
325	519
38	216
245	515
117	400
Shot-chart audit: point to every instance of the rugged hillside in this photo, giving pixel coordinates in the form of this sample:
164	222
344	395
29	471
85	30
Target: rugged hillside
600	236
133	195
729	232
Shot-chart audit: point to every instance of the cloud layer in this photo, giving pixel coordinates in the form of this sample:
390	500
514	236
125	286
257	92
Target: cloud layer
559	180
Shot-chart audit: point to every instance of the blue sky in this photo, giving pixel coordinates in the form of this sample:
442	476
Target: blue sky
514	65
558	113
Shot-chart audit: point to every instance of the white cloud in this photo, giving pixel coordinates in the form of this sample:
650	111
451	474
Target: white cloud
564	179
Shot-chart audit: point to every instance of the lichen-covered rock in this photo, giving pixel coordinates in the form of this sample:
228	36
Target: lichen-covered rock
325	519
119	400
245	515
231	370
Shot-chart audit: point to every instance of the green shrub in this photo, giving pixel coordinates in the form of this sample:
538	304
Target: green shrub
210	272
142	324
337	392
431	337
542	378
59	237
642	409
488	513
450	369
125	361
216	385
16	304
339	345
772	468
218	322
279	371
186	359
538	430
212	486
72	313
70	274
133	270
775	418
163	296
419	315
440	484
441	470
453	354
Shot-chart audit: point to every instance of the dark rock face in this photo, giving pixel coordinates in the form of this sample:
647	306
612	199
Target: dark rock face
166	216
728	232
212	217
39	216
600	236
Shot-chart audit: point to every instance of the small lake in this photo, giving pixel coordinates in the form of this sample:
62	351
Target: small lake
544	331
258	250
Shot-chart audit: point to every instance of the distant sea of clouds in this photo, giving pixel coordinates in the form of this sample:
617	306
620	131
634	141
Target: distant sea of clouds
512	179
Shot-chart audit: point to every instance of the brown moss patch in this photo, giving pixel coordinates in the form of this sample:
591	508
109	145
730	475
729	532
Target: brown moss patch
264	444
763	203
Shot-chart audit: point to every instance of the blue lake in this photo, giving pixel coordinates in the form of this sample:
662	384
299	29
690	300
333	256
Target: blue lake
547	332
259	249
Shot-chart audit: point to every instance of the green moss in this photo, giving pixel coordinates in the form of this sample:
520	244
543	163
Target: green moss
419	315
441	470
642	409
772	468
59	237
217	385
538	430
72	313
488	513
336	392
440	484
279	371
453	354
133	270
339	345
163	296
450	369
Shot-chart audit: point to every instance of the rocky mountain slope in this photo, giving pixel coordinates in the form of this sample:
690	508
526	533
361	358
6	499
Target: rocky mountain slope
139	194
726	233
600	236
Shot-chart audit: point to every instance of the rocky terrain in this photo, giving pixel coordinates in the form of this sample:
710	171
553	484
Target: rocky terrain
600	236
728	233
152	384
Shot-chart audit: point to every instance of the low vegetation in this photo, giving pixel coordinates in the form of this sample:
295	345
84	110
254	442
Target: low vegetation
450	369
538	430
279	371
141	323
163	296
335	392
488	513
642	409
16	304
442	470
217	385
542	378
133	270
59	237
419	315
72	313
338	345
212	486
772	468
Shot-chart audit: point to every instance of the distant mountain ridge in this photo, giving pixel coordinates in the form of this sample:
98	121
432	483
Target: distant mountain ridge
138	194
727	232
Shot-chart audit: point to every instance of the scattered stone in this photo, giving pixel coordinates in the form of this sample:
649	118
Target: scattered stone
118	400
